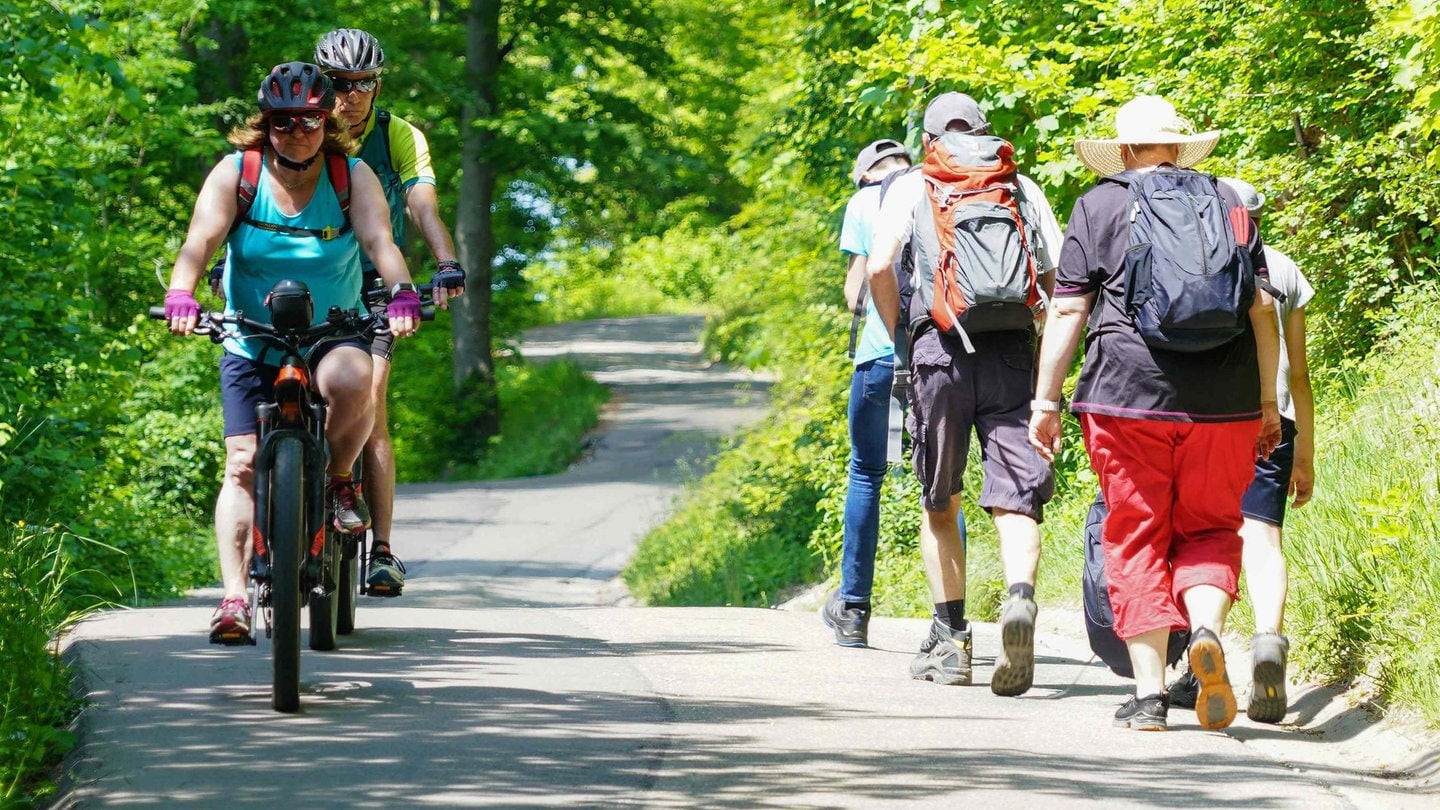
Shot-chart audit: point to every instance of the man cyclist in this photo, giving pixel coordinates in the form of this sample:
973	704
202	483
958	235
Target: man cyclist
400	157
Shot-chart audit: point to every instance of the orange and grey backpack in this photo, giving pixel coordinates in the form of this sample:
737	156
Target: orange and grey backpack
974	263
339	168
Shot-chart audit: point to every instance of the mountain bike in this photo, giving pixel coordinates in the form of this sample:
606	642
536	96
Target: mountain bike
299	559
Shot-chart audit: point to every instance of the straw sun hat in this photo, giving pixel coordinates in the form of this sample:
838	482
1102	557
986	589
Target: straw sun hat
1146	120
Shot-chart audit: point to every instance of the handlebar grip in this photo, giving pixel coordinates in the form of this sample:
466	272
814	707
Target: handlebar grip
158	313
427	313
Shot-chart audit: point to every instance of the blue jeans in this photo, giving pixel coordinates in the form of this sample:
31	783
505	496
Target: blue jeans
869	422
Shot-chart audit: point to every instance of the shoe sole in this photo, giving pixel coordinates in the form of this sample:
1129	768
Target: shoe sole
939	676
1268	702
1148	724
931	671
1215	705
1015	672
232	638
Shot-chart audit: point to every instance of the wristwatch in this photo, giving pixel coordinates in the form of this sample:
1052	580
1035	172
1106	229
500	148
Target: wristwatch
1045	405
403	286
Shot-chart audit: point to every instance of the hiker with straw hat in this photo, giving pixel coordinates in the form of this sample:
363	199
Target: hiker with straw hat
1172	430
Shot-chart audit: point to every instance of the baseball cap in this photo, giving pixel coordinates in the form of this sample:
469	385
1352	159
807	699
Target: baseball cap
1250	197
954	109
874	153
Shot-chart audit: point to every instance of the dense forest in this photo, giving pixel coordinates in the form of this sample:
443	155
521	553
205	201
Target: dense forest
630	156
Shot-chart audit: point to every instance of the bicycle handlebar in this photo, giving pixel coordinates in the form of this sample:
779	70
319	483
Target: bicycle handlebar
371	324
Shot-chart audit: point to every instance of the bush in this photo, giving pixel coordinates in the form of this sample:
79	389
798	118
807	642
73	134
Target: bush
35	701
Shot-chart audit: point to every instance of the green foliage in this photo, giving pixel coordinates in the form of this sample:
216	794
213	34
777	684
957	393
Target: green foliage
35	700
1365	582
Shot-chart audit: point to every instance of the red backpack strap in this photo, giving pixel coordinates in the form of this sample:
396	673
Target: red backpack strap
339	166
249	182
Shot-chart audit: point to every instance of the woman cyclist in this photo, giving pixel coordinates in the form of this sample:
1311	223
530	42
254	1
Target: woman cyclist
295	228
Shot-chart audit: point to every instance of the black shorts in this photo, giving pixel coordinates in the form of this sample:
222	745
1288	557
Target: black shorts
1266	498
245	383
990	391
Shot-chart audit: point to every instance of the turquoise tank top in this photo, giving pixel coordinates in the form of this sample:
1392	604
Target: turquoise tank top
258	258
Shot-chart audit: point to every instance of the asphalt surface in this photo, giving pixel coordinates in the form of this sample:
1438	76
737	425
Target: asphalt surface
511	673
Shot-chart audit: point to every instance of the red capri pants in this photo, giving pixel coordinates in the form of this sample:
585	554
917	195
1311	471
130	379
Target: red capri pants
1173	490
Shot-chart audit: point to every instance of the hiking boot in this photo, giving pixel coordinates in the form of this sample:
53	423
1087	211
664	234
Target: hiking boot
1184	690
231	624
1144	714
851	625
1215	705
1268	703
351	515
1015	666
944	657
385	575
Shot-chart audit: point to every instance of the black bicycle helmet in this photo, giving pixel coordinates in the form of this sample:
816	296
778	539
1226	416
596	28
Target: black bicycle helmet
349	50
296	86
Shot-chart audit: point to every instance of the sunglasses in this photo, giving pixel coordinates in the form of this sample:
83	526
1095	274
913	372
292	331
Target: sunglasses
360	85
286	123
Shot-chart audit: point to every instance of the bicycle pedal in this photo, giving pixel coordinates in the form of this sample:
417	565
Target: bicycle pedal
384	591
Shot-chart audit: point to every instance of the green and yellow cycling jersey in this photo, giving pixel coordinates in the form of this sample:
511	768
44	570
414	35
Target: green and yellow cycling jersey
400	157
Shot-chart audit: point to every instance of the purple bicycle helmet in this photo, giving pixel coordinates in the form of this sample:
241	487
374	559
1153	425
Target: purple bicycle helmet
296	86
349	50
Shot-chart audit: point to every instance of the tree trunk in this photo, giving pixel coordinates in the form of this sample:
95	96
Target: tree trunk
474	229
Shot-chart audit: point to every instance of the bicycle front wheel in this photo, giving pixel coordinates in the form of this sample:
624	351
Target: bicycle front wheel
287	548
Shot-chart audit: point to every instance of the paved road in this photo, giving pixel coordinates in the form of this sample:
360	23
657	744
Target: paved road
508	677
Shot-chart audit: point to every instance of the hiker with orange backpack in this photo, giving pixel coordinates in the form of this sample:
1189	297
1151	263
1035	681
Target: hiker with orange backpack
305	220
400	157
1176	397
982	239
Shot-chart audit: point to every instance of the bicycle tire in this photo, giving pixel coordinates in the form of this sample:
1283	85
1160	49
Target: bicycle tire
348	590
325	610
287	542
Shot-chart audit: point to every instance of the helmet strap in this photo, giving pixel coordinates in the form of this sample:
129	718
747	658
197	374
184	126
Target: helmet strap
297	165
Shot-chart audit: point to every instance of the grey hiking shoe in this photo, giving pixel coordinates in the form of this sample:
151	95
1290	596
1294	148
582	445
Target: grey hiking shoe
1268	702
1215	705
851	625
385	575
1015	666
944	656
1144	714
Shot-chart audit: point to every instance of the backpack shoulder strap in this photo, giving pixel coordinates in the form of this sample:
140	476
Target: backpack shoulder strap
339	166
246	188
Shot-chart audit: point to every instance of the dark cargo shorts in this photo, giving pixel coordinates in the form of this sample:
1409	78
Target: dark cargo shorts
990	391
1266	498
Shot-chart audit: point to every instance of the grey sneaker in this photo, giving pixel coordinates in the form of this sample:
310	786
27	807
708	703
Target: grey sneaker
1144	714
1215	705
1268	703
385	575
851	625
944	656
1015	666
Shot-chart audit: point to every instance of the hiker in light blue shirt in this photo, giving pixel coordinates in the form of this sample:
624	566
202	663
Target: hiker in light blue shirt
847	610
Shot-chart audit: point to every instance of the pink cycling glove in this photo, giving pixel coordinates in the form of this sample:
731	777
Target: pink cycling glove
405	304
181	304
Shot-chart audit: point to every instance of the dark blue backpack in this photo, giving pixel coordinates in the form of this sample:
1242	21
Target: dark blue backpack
1099	618
1189	276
